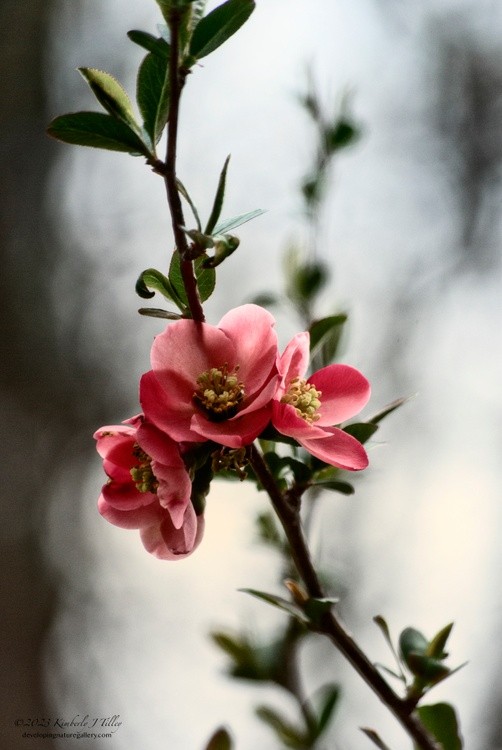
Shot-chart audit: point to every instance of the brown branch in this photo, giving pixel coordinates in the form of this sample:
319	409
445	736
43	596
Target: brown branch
329	624
177	78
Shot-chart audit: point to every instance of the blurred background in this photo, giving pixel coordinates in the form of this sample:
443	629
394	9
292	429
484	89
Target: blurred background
411	231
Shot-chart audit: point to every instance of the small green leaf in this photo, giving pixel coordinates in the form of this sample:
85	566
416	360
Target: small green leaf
110	95
268	531
376	418
218	26
336	485
220	740
412	641
201	484
316	608
437	644
441	721
152	93
280	603
325	335
98	130
265	299
206	277
362	431
157	312
186	195
149	42
325	700
308	281
282	465
384	628
373	736
289	734
429	670
342	134
218	199
153	279
237	221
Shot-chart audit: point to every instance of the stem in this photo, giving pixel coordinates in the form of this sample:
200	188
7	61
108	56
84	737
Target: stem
330	625
177	78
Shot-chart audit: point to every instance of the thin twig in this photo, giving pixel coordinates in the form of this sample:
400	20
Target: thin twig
329	624
177	81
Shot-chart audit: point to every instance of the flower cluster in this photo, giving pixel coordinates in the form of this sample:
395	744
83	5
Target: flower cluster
211	392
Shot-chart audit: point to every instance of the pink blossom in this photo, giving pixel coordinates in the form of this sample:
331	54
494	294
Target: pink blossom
148	488
213	383
307	409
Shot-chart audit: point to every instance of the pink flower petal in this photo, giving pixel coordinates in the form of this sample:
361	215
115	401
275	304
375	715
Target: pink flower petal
339	449
234	432
173	419
295	360
167	543
129	519
125	496
286	420
345	391
250	328
184	351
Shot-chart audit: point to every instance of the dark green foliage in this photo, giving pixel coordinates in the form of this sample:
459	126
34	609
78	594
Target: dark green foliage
441	721
220	740
206	277
152	94
218	26
98	130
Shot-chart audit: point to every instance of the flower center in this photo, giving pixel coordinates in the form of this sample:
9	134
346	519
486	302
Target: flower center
219	393
142	475
305	399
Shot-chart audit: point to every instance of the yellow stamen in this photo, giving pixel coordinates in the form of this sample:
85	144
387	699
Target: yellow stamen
305	398
219	393
142	475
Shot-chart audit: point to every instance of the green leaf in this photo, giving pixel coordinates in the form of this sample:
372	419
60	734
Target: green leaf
429	670
375	419
268	531
98	130
325	700
218	26
289	734
149	42
152	93
201	484
336	485
308	281
317	607
265	299
218	199
441	721
153	279
325	335
280	603
237	221
373	736
342	134
384	628
220	740
281	465
437	644
186	195
412	641
206	277
157	312
362	431
110	95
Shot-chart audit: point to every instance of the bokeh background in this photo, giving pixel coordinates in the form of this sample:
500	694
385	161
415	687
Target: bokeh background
412	234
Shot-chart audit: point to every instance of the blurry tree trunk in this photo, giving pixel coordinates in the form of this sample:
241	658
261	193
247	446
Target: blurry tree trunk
38	400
